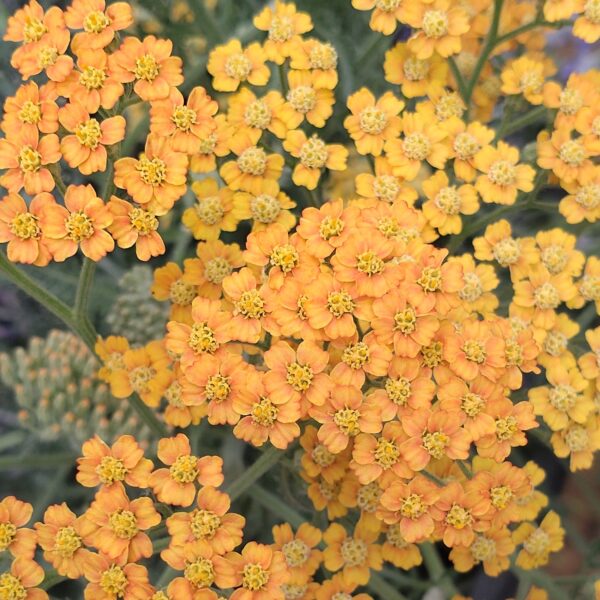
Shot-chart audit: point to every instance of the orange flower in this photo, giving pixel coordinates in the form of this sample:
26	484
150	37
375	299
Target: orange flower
122	462
85	149
397	551
30	23
186	124
20	227
314	155
110	351
327	495
587	25
299	550
213	145
385	16
538	542
175	485
466	141
478	282
525	75
170	284
230	65
157	178
149	63
578	442
81	223
19	541
115	525
567	157
317	461
308	101
60	536
31	109
108	580
26	156
20	580
99	23
271	206
332	588
383	185
260	570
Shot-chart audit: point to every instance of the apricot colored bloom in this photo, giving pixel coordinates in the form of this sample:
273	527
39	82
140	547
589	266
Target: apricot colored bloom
344	415
60	535
135	226
269	206
260	571
317	461
445	203
30	23
171	284
98	22
85	149
216	209
26	157
80	224
299	549
176	485
284	27
588	287
331	589
525	75
313	156
213	145
307	101
230	65
21	579
587	23
502	176
176	412
385	16
554	344
578	443
423	140
115	525
123	462
20	227
587	122
15	538
383	185
538	542
397	551
411	506
567	157
326	495
149	64
479	281
186	124
209	521
320	58
31	109
157	178
210	330
439	24
108	580
589	363
578	93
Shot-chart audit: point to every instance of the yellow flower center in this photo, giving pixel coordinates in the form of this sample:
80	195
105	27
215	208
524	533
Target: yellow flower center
183	117
388	5
448	200
67	542
182	293
264	412
506	428
281	28
546	296
573	153
265	208
184	469
435	23
369	263
347	420
114	582
210	210
416	146
92	78
29	159
432	355
341	596
250	305
252	161
592	11
588	196
299	376
563	397
501	496
200	573
89	134
95	22
33	30
356	355
466	145
340	303
254	577
577	438
472	404
217	388
146	68
329	491
314	153
321	456
513	353
354	552
25	226
208	144
555	343
238	66
152	171
394	537
405	320
202	339
285	257
30	113
570	100
303	98
415	69
143	221
173	395
431	279
47	56
386	187
110	470
124	524
472	288
331	227
537	543
458	517
474	351
449	105
301	311
296	553
413	507
589	288
502	173
294	591
367	497
216	269
435	443
160	595
79	226
531	81
323	56
204	524
140	377
483	549
258	114
373	120
7	535
386	453
398	390
11	588
507	251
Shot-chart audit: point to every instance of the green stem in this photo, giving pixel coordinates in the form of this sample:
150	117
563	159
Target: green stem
383	589
41	461
207	22
84	287
283	80
465	469
514	125
460	82
51	579
529	26
436	569
148	416
543	580
477	226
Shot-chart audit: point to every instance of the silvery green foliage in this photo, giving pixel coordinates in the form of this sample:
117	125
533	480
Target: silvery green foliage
59	396
135	314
